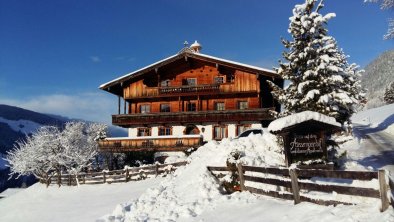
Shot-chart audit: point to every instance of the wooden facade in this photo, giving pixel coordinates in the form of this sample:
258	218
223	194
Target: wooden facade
192	88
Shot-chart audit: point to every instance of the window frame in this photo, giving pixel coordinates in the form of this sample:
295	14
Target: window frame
167	129
169	107
145	129
188	105
242	101
216	106
218	82
223	132
194	80
145	105
246	127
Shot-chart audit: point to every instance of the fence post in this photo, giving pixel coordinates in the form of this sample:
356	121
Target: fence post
157	169
84	178
127	175
69	179
383	190
241	177
104	177
294	186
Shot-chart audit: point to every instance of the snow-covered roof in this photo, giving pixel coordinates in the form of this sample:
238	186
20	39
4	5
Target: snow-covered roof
188	53
285	122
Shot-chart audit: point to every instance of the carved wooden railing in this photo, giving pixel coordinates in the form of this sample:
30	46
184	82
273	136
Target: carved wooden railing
188	89
193	117
165	143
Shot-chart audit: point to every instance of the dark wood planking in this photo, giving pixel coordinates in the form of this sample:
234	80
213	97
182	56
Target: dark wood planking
355	175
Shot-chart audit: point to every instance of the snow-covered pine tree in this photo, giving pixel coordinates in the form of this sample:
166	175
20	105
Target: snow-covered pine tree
389	94
321	79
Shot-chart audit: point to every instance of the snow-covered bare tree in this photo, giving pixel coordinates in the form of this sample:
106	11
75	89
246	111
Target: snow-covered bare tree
39	154
389	94
79	140
386	4
50	151
320	77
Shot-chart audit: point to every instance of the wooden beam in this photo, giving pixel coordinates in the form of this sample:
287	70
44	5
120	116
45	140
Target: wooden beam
383	190
119	105
294	186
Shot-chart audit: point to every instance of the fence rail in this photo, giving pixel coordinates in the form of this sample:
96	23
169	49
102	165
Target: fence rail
294	180
115	176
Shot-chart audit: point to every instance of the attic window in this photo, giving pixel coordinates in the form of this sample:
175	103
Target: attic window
219	80
165	83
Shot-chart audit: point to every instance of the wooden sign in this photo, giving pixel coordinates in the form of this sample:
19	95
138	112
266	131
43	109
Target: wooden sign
306	144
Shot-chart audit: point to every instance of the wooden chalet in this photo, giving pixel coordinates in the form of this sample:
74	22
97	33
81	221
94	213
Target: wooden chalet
188	98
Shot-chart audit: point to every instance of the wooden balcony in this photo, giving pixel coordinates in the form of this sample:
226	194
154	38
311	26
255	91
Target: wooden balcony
189	89
164	143
127	120
172	91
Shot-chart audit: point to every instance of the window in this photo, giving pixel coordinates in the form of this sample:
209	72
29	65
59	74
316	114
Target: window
219	106
219	132
145	108
219	80
191	107
191	81
144	131
165	131
165	83
242	104
165	108
242	128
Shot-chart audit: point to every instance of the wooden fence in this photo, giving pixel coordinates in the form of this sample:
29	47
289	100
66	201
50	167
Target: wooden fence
391	185
294	180
116	176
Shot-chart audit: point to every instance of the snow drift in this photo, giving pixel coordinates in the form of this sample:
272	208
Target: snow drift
192	189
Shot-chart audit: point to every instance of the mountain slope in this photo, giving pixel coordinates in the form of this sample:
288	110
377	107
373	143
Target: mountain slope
378	75
16	123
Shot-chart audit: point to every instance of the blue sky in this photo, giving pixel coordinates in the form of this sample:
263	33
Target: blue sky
54	54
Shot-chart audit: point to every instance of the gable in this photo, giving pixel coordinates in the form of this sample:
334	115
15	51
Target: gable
182	65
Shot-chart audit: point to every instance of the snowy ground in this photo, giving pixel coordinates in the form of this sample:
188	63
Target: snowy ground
84	203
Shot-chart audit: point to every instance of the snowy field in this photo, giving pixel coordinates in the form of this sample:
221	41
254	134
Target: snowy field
85	203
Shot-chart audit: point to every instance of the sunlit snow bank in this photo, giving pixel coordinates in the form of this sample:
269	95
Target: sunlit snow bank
381	118
192	190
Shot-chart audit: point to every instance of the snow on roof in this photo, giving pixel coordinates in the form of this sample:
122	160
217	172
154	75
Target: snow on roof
191	52
238	63
281	123
132	73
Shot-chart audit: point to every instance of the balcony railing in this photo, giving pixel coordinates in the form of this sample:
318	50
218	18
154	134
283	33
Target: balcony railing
127	120
164	143
188	89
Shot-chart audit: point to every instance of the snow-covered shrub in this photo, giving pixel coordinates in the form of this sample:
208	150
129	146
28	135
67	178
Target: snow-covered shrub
231	181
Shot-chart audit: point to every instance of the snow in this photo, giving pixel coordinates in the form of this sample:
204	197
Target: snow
83	203
23	126
297	118
192	190
378	117
9	192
